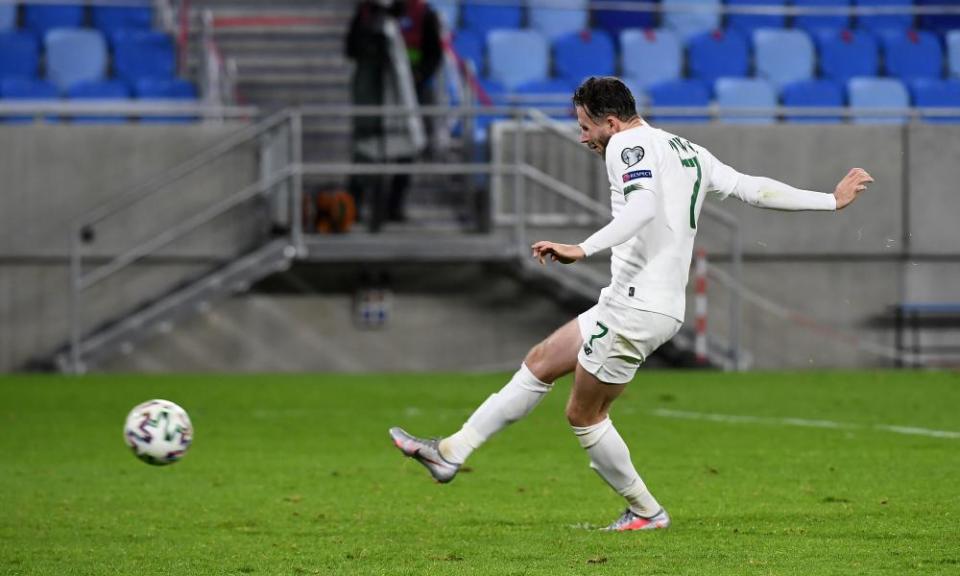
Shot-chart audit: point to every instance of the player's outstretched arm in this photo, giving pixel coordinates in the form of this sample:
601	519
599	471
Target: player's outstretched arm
851	186
562	253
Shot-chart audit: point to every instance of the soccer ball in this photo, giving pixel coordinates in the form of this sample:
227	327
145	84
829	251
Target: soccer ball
158	431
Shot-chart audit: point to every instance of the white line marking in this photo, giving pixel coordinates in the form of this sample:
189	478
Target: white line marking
802	422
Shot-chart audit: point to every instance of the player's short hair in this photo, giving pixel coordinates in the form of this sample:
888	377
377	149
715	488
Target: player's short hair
602	96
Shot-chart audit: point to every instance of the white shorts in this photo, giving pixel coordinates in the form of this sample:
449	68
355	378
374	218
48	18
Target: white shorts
617	339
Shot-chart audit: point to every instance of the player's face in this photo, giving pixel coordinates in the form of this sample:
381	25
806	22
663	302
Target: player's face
595	136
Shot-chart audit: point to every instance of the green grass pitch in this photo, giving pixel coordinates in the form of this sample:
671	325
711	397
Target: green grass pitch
296	475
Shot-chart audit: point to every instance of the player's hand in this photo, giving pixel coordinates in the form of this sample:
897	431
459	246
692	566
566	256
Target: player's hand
851	186
562	253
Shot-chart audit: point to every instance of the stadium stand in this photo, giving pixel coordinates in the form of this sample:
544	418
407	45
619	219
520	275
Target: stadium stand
560	19
953	53
482	18
718	53
936	93
99	90
865	92
27	89
469	47
8	16
747	23
503	47
783	56
75	55
848	53
814	23
692	93
650	56
41	18
19	54
550	93
582	54
912	54
615	21
448	11
938	23
878	22
143	53
109	19
732	93
818	93
693	17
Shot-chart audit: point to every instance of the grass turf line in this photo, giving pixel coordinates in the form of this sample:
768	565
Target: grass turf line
296	475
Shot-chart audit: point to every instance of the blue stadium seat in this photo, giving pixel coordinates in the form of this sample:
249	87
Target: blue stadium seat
41	18
747	23
936	93
718	53
783	56
109	19
165	90
99	90
517	57
848	53
651	56
814	23
448	11
482	18
8	16
680	93
550	93
866	92
813	94
26	89
469	46
939	23
953	53
688	24
560	18
733	93
912	54
879	22
615	21
75	55
579	55
143	53
19	54
497	93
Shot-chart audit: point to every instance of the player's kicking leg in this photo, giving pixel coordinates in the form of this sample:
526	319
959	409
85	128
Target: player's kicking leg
554	357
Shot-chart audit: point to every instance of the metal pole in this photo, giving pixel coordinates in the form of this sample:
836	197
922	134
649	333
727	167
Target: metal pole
736	300
75	318
519	196
296	153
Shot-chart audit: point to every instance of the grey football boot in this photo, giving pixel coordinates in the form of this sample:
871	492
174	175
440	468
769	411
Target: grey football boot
426	452
630	520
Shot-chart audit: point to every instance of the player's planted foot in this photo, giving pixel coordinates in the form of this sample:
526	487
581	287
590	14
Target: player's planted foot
426	452
630	520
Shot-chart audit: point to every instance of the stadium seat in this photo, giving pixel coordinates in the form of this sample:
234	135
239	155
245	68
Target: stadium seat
75	55
143	53
912	54
783	56
939	23
747	23
19	54
41	18
448	11
953	53
688	24
165	90
733	93
517	57
109	19
936	93
848	53
650	56
813	94
679	93
26	89
559	19
8	16
582	54
615	21
814	23
550	93
111	90
867	92
718	53
497	95
482	18
468	45
879	22
640	95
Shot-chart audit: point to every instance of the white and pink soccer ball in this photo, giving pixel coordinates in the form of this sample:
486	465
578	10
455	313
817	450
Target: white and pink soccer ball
158	431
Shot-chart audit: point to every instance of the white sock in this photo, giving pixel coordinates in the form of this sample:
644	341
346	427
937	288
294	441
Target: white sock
511	403
610	457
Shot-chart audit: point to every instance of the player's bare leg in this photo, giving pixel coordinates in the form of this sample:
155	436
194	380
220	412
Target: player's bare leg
588	413
552	358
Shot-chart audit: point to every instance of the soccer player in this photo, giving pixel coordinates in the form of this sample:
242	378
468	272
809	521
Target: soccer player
657	186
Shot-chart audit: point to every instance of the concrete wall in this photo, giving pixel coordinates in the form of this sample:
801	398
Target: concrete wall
53	173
